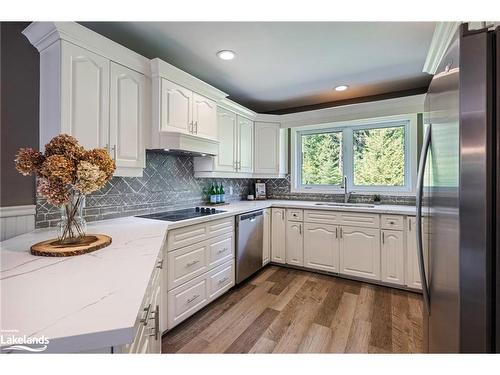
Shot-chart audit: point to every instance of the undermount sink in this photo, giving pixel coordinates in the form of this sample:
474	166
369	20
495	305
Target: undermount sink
334	204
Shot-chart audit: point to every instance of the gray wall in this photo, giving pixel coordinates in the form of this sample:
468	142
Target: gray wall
19	79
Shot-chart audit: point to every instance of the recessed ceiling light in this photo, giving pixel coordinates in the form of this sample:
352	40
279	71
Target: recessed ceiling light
226	54
341	88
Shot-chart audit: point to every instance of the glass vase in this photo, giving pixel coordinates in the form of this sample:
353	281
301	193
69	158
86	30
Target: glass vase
72	226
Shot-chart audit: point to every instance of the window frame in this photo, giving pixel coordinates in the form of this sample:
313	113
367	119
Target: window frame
347	128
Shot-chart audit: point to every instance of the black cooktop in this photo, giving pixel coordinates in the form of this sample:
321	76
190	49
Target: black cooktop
178	215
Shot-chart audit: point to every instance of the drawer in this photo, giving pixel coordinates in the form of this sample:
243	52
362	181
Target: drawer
190	297
218	227
191	234
186	236
321	216
220	250
294	215
186	263
393	222
357	219
185	300
221	280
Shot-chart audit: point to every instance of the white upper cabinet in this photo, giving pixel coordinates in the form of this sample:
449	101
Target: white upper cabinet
176	108
226	158
360	252
127	117
84	96
245	145
93	89
270	155
392	257
204	117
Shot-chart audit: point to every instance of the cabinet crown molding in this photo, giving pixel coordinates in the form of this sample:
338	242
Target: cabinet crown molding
237	108
43	34
160	68
443	34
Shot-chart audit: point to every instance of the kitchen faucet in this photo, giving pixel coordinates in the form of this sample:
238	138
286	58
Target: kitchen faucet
347	194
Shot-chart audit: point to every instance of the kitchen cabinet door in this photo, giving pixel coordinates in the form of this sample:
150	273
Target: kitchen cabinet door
294	243
84	96
245	145
176	108
392	257
267	148
127	117
225	161
204	117
360	252
278	235
266	246
321	247
412	272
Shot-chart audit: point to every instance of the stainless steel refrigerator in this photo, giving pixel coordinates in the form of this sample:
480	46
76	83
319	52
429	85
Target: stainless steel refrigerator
458	198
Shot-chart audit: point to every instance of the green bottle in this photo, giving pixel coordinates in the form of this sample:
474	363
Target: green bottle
213	195
217	193
222	193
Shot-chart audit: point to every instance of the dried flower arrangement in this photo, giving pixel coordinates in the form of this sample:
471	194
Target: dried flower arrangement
66	172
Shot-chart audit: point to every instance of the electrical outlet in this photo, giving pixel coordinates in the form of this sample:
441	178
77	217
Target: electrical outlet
230	190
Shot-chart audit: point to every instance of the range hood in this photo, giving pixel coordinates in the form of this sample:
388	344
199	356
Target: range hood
187	144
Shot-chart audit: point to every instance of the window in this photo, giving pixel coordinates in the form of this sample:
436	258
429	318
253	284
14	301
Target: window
373	157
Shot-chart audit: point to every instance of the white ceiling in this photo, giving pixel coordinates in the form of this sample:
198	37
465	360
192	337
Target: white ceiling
286	64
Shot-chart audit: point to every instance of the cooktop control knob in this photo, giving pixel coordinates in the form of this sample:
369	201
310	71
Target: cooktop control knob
213	210
197	209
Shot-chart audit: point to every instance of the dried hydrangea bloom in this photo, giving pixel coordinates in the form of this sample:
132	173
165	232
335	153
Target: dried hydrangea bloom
59	167
28	161
101	158
55	192
65	145
89	177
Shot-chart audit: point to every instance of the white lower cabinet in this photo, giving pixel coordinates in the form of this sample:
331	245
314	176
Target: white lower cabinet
278	235
147	338
266	237
294	243
392	257
184	301
321	247
360	252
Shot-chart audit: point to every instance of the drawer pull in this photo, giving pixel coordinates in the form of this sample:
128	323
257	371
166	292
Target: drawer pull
156	330
391	222
144	319
160	264
221	281
193	298
222	250
192	263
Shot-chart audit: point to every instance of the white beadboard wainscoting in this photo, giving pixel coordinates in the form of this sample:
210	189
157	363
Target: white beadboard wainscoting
16	220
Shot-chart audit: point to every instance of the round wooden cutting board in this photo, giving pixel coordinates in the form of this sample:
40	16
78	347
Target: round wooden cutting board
89	243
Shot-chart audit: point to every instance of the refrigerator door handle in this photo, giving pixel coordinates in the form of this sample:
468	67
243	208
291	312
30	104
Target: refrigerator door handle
418	223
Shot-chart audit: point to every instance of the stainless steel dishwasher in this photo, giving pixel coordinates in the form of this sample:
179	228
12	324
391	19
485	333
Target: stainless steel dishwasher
249	230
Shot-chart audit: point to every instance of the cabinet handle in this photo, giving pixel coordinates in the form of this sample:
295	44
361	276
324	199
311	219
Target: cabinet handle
190	127
114	152
282	215
193	298
196	127
383	237
409	224
223	280
300	228
160	264
156	317
340	232
222	250
192	263
144	319
336	232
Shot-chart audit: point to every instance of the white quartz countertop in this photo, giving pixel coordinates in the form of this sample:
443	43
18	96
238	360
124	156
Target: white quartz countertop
91	301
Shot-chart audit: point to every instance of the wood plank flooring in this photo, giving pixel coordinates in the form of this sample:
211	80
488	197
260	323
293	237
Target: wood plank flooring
283	310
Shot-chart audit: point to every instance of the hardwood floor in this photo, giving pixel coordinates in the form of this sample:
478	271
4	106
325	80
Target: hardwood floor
283	310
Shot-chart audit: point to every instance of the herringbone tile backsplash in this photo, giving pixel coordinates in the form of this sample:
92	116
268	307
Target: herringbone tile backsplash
168	183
